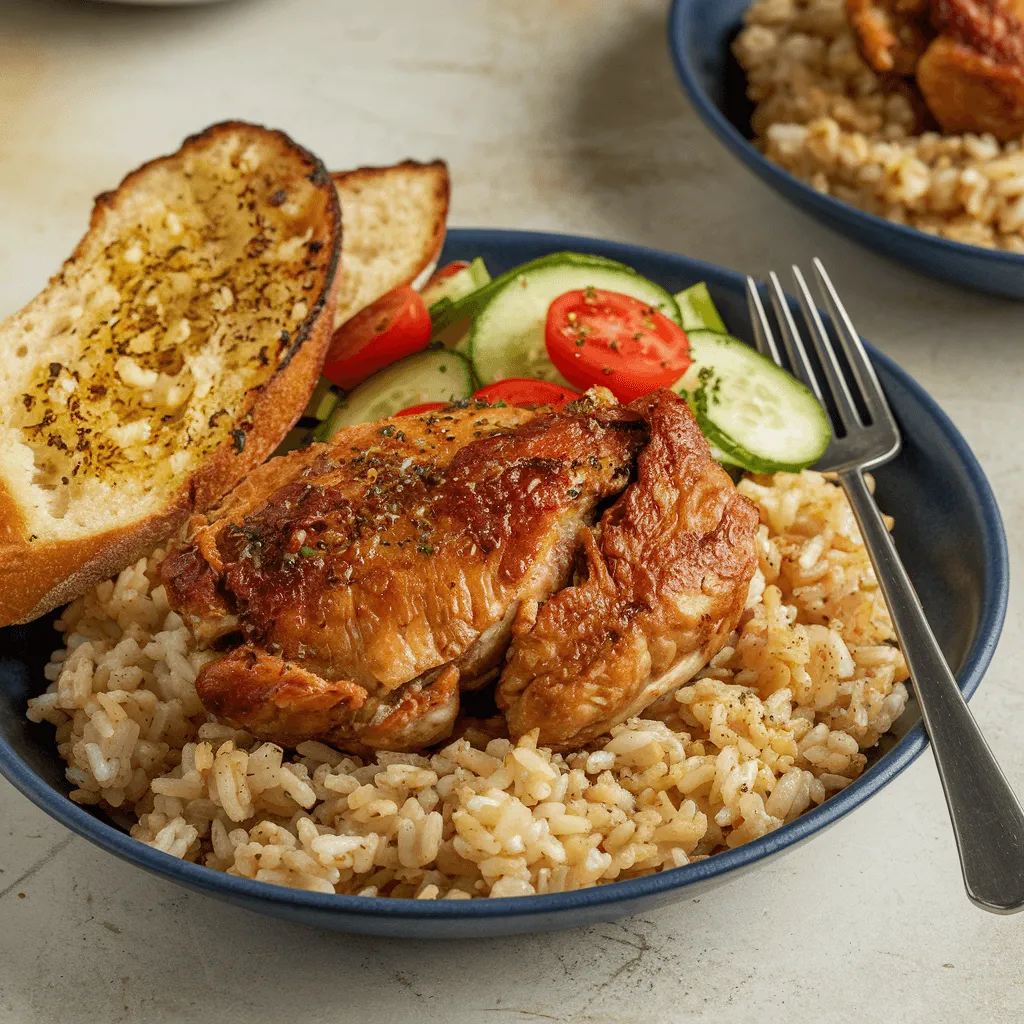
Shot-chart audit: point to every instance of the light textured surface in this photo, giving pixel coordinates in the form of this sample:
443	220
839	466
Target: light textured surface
564	116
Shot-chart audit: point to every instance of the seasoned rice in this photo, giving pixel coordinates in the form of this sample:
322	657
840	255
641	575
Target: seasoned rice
824	115
774	725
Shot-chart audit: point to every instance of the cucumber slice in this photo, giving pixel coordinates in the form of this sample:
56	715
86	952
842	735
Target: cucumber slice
757	415
436	375
507	338
479	272
322	401
326	405
698	310
462	283
723	457
446	312
457	341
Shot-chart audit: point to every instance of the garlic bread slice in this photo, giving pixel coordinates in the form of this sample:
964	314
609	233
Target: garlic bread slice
168	357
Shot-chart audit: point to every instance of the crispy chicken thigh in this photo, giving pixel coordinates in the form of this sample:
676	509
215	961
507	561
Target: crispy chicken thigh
893	34
967	57
665	580
358	585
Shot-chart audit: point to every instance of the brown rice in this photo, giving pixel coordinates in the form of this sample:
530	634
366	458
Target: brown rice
823	114
776	723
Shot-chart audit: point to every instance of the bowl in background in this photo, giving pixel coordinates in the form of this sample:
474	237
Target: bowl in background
701	33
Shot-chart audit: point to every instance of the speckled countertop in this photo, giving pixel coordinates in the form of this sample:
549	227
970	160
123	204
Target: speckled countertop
561	115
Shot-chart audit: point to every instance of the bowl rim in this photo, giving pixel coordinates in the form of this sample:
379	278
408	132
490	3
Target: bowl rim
991	615
679	35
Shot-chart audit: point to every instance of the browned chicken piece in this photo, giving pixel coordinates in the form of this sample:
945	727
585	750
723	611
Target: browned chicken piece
967	57
893	34
992	27
665	580
358	585
972	75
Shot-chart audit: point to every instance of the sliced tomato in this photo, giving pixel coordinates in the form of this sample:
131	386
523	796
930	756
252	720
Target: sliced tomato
443	273
526	391
416	410
599	337
395	326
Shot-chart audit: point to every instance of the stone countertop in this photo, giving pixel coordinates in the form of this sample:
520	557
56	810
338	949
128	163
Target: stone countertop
561	116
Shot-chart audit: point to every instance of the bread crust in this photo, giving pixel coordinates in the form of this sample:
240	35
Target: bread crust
36	577
442	189
442	197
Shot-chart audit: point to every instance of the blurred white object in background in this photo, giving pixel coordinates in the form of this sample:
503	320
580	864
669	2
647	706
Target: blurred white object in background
161	3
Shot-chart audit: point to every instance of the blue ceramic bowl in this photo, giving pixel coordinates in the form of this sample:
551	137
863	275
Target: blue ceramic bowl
700	37
949	533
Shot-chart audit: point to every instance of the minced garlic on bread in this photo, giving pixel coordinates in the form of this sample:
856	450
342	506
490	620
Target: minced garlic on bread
167	358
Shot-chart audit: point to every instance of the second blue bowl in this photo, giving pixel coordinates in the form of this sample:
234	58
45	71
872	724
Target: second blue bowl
700	37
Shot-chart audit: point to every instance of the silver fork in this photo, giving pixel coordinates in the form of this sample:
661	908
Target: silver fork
988	821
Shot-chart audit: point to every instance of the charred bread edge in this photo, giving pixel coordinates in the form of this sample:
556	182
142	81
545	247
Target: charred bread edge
34	579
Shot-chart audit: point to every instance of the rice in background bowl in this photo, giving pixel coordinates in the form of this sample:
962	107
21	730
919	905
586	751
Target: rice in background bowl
824	115
771	727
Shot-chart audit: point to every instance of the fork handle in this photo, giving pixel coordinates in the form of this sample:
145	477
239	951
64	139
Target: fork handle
988	821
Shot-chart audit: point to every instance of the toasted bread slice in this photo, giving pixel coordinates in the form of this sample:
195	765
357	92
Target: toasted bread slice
169	356
394	228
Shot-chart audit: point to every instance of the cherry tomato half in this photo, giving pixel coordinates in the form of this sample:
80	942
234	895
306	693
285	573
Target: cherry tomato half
416	410
443	273
598	337
395	326
525	391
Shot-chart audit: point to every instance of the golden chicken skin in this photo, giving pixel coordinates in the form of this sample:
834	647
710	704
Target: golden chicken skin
355	588
966	57
893	34
664	581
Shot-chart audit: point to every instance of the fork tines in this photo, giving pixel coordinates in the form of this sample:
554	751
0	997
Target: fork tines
864	431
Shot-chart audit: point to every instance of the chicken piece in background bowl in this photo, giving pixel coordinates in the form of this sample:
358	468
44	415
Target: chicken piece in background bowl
893	34
966	56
